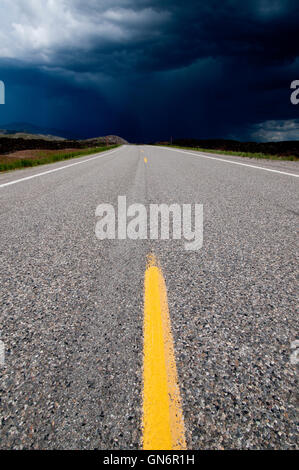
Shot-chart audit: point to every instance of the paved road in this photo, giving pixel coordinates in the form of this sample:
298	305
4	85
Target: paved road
72	306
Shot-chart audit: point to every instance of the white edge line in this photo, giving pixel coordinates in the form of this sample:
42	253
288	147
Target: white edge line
96	156
229	161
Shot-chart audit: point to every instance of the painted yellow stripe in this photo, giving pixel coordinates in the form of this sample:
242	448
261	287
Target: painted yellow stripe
163	423
145	160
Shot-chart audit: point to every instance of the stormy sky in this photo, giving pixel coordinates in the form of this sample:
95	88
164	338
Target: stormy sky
150	69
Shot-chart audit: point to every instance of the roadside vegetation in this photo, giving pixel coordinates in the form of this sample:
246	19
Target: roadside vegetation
260	155
42	157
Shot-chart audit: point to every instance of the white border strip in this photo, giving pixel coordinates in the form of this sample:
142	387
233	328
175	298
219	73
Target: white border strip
229	161
96	156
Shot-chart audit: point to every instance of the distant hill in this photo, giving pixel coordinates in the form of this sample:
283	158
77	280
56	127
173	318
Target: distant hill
23	130
10	143
23	135
26	130
108	139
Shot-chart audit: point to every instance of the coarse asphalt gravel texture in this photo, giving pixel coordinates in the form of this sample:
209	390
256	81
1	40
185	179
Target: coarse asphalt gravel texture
72	306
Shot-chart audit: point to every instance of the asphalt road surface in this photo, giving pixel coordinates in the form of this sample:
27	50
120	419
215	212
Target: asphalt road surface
72	306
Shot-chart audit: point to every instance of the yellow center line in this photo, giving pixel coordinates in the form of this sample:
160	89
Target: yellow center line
145	160
163	423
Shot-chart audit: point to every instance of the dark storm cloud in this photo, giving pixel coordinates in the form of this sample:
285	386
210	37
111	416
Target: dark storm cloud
148	69
162	35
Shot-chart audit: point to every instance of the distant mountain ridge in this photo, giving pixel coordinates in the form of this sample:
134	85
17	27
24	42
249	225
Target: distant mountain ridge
26	136
21	129
22	136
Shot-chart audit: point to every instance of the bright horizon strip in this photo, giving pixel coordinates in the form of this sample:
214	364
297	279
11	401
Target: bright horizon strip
162	424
